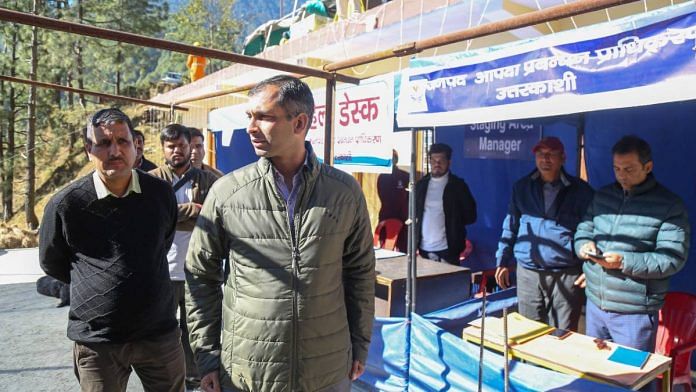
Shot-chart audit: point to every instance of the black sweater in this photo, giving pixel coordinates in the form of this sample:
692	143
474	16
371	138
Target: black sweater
113	253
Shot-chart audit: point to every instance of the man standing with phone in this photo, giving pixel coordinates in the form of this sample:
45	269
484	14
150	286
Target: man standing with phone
634	237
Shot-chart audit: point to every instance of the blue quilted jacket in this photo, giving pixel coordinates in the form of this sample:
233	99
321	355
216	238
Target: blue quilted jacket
538	239
649	226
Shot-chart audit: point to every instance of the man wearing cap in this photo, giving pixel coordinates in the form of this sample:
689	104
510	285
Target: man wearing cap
545	209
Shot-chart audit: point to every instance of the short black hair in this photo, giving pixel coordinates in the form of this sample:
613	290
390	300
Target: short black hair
174	132
195	132
438	148
630	144
103	117
294	95
138	133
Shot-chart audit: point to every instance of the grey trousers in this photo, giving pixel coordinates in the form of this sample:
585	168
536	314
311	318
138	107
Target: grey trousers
550	296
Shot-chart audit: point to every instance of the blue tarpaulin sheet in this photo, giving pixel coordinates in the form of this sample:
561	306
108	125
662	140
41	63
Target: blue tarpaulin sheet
422	356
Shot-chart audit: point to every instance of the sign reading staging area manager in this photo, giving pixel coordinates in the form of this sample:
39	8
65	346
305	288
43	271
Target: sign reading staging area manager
501	140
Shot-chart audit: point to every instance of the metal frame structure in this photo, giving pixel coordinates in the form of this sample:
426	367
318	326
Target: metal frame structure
88	92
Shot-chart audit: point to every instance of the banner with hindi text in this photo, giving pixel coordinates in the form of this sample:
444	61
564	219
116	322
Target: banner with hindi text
639	60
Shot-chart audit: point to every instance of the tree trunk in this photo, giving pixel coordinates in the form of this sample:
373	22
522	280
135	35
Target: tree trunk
8	179
31	219
78	57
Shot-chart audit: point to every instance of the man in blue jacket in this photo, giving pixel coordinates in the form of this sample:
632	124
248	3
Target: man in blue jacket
634	237
545	209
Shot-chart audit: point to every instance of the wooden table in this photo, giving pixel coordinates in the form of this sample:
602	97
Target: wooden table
439	285
578	355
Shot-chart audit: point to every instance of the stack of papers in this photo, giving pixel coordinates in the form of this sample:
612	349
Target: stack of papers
520	329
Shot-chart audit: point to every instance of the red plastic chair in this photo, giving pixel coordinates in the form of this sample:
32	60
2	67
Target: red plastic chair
392	227
676	335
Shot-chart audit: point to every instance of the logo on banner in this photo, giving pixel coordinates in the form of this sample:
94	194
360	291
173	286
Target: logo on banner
501	140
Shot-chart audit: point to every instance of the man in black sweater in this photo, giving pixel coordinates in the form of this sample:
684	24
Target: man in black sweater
107	235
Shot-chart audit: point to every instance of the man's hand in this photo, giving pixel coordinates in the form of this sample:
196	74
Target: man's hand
580	281
211	382
502	277
588	247
357	370
610	261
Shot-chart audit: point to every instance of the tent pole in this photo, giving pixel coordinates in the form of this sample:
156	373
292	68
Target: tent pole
328	121
411	276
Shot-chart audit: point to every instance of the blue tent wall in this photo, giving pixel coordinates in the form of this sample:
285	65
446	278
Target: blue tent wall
670	131
238	154
491	180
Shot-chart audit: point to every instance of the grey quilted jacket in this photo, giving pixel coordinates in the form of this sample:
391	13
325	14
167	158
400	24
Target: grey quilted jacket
296	308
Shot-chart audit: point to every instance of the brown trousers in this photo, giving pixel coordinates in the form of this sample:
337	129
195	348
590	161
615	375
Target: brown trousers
105	367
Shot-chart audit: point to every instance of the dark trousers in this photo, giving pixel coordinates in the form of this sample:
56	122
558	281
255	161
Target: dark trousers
106	367
193	379
550	296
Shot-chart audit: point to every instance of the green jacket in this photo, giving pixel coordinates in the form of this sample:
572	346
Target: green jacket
648	226
296	308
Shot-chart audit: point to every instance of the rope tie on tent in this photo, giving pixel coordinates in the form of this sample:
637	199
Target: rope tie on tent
548	24
572	19
442	23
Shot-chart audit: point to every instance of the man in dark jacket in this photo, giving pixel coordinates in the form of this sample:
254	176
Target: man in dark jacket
393	197
634	237
107	234
545	208
444	206
141	162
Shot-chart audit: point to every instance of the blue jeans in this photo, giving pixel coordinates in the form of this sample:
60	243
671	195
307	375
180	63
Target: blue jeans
636	330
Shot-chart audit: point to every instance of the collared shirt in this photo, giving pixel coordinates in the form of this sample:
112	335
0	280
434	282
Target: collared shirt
102	191
176	256
290	195
551	189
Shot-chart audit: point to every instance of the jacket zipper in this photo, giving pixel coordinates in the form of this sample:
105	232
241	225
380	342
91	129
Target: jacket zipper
602	275
294	234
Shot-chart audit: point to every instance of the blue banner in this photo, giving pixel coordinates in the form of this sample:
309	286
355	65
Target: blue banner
501	140
639	60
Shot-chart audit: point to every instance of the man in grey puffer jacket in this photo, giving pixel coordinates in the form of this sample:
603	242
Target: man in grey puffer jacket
297	305
634	237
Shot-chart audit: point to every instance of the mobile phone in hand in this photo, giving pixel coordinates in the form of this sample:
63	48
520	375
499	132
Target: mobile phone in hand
560	333
598	254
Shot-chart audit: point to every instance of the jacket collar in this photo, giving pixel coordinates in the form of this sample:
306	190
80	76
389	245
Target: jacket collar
536	175
311	165
649	183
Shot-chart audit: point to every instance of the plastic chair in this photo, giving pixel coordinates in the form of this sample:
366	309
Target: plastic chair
676	335
392	227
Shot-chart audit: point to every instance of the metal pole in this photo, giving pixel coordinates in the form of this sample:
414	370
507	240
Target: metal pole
483	336
411	245
515	22
141	40
86	92
506	347
328	122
